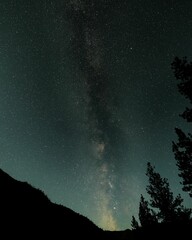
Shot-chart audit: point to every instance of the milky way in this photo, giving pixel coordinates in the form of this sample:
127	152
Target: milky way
88	97
88	45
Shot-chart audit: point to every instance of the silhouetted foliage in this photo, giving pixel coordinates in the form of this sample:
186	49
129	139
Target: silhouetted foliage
169	209
134	223
164	213
183	156
146	215
183	148
183	72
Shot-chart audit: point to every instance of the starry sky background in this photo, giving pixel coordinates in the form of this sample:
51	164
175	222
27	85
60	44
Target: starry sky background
88	97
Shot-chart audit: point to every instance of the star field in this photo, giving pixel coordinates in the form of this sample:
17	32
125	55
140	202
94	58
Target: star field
88	97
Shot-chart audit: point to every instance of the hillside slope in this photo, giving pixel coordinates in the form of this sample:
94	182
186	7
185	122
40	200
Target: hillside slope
26	211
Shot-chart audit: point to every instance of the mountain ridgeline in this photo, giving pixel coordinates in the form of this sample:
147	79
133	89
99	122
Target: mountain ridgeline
27	213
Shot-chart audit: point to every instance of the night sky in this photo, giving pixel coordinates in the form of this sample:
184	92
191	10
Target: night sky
88	97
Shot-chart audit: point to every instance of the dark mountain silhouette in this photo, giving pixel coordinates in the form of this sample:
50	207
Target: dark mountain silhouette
27	213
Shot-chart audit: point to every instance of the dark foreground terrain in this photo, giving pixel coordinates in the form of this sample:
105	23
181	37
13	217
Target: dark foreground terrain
27	213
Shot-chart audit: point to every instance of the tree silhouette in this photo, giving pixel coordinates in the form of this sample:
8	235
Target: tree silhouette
183	148
169	209
162	207
183	72
146	215
134	223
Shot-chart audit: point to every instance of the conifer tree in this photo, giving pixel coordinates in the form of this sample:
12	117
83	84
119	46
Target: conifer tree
169	209
183	148
134	223
146	215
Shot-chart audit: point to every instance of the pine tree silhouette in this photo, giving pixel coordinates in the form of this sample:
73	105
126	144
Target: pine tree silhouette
169	209
183	148
146	215
134	223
